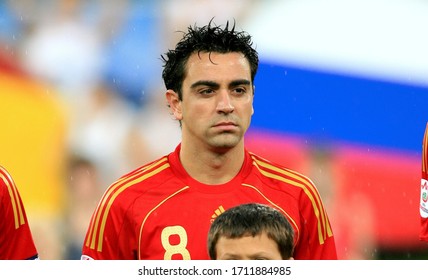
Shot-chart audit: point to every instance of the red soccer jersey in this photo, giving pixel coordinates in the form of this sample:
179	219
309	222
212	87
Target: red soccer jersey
424	188
159	212
16	240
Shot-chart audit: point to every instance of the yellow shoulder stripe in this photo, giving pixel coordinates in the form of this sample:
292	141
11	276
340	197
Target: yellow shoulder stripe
99	219
300	181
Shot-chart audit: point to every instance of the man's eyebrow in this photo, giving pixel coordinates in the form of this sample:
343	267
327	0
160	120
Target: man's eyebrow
205	83
216	85
239	82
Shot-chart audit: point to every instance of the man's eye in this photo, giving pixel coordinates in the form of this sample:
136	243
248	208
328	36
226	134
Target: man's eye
239	90
206	91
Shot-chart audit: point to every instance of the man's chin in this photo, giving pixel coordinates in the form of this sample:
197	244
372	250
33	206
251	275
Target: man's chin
225	144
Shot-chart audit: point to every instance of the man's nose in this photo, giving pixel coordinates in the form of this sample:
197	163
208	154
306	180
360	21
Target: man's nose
224	102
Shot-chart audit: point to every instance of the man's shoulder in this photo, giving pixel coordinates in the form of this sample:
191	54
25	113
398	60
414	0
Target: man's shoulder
144	177
267	166
159	162
145	181
279	178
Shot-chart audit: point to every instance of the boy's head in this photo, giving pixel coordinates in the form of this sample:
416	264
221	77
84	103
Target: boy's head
251	231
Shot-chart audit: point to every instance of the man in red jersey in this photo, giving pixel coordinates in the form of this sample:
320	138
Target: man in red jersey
16	240
163	210
424	189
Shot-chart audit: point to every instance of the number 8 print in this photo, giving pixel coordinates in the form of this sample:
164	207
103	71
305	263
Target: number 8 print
173	249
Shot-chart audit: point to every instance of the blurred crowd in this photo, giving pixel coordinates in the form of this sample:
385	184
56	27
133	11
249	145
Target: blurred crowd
82	100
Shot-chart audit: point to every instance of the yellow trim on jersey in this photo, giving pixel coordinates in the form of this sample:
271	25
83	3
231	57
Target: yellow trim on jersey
97	226
17	207
150	212
277	206
324	229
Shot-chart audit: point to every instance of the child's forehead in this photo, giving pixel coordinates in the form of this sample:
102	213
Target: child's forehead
247	234
259	246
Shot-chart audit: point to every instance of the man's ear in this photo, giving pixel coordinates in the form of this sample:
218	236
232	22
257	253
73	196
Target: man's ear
174	104
254	91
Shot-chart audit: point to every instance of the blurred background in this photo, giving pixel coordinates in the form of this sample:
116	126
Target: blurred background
341	96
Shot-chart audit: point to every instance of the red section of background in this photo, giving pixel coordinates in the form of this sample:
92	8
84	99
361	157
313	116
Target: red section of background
391	182
372	195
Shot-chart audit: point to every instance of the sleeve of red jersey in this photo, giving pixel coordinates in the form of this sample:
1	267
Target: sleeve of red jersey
423	210
107	236
17	238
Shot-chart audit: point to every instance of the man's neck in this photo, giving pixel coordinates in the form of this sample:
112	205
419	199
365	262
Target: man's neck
212	167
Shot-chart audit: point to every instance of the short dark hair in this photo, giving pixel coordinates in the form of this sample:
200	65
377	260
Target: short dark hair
252	219
208	38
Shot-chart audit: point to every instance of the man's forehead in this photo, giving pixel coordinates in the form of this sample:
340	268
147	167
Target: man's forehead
208	63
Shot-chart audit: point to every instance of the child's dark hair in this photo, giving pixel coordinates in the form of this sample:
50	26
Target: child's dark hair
252	219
